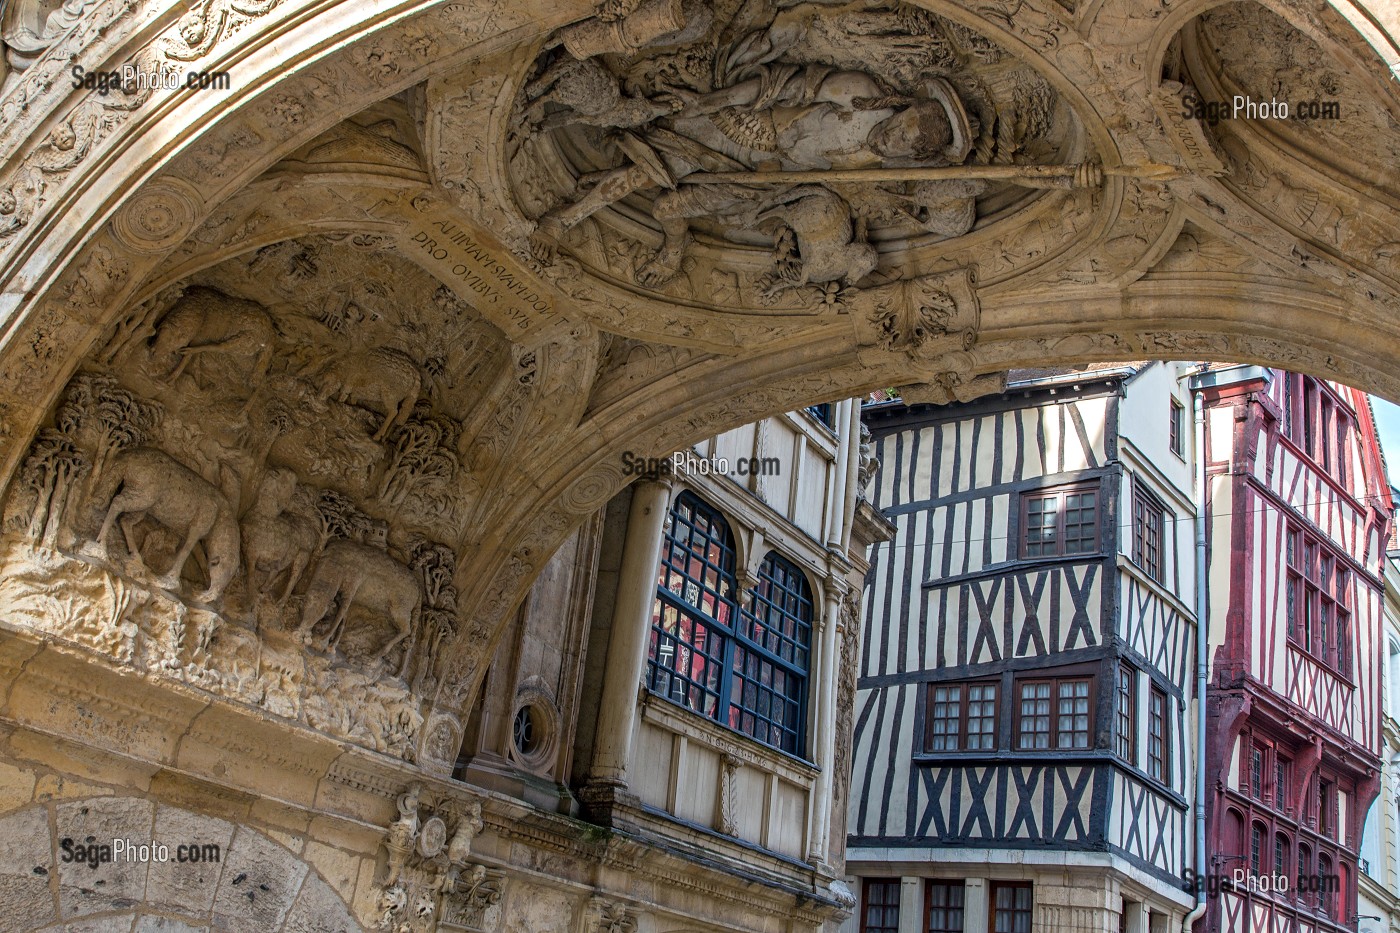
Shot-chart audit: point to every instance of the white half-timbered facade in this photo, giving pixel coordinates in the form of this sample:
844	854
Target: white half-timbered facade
1024	723
1298	512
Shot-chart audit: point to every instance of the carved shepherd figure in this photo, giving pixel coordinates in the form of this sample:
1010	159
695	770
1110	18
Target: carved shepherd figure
383	379
208	321
366	575
148	482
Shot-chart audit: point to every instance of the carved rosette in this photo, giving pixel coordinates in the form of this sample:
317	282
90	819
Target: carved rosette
161	216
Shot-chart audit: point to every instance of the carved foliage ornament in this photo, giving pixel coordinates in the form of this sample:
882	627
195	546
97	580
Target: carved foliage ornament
912	314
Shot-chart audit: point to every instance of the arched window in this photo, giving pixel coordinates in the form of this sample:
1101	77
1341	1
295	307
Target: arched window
1326	886
1234	832
1258	832
1283	857
746	668
771	660
1306	883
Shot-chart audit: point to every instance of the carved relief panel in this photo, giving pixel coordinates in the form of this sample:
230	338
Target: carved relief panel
257	485
762	158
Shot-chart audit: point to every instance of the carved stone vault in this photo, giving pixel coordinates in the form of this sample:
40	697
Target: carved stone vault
304	379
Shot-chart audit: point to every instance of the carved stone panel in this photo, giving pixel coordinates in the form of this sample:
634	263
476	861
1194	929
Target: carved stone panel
256	485
765	156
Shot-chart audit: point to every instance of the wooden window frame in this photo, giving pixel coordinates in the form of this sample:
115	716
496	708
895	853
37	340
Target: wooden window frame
929	885
1306	896
1149	519
866	886
997	886
1060	494
1259	839
1318	422
1319	594
1125	719
1159	766
1054	680
735	645
1283	777
1282	855
963	714
1176	428
1327	809
1325	902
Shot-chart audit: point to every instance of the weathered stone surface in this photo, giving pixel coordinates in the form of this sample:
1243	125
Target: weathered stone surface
187	887
318	910
120	884
16	786
259	883
148	924
26	869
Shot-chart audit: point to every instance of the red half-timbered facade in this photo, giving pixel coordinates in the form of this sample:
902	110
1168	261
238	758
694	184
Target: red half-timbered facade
1297	512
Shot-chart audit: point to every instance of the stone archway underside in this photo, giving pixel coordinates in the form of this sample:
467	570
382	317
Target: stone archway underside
408	141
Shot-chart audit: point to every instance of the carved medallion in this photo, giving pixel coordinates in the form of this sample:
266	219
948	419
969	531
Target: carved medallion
432	837
767	157
161	216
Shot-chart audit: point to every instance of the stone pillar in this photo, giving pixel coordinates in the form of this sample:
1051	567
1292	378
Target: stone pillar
1075	905
824	723
631	631
976	915
911	905
1136	917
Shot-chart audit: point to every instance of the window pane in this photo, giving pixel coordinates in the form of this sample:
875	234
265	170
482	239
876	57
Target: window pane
1157	735
1072	711
771	658
690	637
981	716
1126	728
945	907
1011	909
945	713
1081	522
881	908
1040	527
1035	715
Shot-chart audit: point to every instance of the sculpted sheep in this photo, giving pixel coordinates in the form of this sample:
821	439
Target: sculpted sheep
148	482
383	380
274	540
208	321
355	574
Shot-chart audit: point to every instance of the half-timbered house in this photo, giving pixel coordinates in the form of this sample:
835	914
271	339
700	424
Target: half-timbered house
1378	888
1298	511
1022	759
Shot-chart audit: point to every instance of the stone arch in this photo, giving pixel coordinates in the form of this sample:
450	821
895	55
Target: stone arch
256	883
163	171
